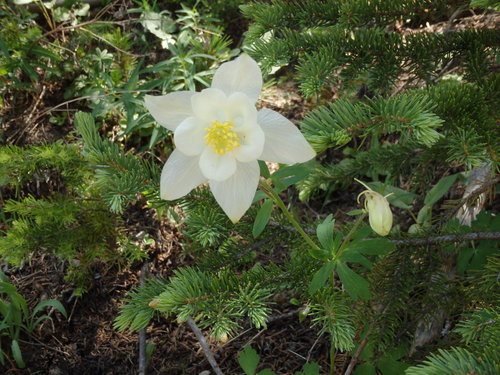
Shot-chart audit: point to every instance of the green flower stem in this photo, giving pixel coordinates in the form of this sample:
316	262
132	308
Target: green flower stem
268	190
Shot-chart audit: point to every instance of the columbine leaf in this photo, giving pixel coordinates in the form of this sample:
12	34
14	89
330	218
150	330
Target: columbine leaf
321	276
324	231
355	257
375	246
355	285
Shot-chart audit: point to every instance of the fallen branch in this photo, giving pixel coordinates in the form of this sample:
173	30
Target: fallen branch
142	332
421	240
204	346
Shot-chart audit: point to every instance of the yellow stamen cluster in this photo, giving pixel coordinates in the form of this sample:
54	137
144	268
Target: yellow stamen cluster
221	137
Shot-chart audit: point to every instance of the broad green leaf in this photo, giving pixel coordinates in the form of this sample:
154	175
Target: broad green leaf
310	369
440	189
463	259
355	257
390	367
289	175
365	369
16	353
248	360
376	246
424	216
355	285
324	231
362	232
321	276
267	372
262	217
388	364
484	249
264	170
320	254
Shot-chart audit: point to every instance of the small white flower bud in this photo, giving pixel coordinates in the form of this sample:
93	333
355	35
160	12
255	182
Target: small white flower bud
379	212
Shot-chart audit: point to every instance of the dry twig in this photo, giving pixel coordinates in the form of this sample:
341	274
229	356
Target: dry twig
204	346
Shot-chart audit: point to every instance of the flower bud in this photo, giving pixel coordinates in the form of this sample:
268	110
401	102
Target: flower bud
379	212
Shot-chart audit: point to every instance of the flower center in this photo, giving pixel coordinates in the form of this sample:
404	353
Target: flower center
221	137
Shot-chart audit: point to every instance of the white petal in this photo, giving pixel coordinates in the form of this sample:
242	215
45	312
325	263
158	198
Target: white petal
209	105
241	110
240	75
179	176
217	167
171	109
235	195
189	137
284	142
251	145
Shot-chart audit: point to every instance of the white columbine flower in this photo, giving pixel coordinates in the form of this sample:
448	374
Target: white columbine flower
219	136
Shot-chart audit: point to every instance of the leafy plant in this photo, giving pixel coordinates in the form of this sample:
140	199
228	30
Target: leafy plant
249	361
16	317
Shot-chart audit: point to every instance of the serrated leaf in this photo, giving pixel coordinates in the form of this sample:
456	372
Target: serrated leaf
440	189
355	285
324	231
262	218
321	276
248	360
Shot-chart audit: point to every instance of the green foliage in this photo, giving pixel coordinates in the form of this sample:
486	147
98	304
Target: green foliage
345	43
20	165
480	330
16	316
138	312
249	361
120	178
332	312
486	4
76	230
55	211
22	58
456	361
218	300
